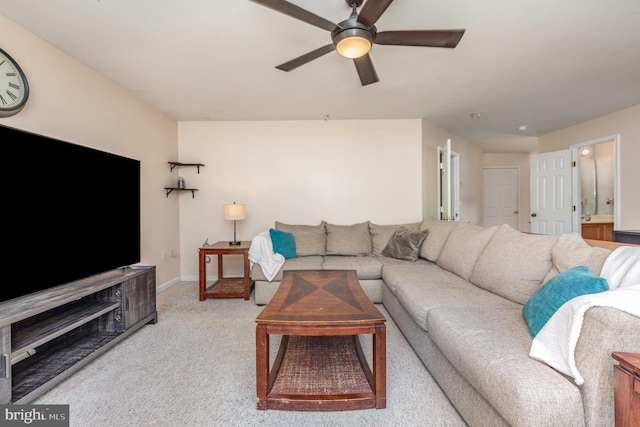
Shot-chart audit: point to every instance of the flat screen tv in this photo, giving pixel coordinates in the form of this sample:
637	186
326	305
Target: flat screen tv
70	212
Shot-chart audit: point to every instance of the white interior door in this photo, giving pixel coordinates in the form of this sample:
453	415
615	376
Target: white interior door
500	196
551	206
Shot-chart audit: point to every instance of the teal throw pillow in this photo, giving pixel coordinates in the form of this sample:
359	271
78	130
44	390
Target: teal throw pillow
558	290
283	243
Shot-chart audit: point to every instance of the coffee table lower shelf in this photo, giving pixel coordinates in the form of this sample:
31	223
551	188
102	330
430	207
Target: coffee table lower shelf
320	373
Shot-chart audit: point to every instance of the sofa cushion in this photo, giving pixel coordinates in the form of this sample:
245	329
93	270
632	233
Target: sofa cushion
439	232
560	289
310	239
349	239
463	248
405	244
380	234
300	263
490	348
283	243
366	267
514	264
425	286
394	276
571	251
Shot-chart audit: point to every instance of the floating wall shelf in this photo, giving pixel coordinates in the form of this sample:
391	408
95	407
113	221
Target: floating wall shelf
170	189
172	165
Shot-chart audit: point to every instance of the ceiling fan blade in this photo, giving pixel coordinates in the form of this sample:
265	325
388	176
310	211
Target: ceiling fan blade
297	12
372	10
366	70
429	38
308	57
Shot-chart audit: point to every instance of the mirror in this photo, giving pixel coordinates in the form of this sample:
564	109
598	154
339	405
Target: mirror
588	181
597	171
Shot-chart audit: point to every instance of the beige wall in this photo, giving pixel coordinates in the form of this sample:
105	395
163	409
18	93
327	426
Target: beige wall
626	123
299	172
69	101
470	173
522	162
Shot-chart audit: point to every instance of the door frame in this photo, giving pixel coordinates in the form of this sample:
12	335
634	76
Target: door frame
452	168
576	191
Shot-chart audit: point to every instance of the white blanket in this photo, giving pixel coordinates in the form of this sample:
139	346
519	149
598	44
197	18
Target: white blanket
556	342
622	267
261	253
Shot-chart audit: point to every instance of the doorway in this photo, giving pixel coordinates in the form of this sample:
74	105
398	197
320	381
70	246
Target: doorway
448	183
500	196
595	183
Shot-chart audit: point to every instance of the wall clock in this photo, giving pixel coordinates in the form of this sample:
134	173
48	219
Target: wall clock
14	88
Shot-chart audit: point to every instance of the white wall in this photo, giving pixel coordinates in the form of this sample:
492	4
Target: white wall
299	172
626	123
71	102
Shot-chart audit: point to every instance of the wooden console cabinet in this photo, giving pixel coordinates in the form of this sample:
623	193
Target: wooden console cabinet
47	336
627	389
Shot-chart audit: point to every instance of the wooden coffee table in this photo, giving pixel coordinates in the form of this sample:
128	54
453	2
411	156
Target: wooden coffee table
320	365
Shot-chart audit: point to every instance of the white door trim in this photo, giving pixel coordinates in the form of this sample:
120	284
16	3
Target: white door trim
448	189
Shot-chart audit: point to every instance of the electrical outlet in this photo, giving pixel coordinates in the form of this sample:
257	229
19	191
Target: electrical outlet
165	253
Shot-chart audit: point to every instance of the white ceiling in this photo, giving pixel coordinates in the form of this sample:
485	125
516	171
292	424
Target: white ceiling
544	64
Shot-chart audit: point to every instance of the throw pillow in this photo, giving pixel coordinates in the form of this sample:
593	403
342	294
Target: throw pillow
352	239
310	239
558	290
283	243
405	244
381	234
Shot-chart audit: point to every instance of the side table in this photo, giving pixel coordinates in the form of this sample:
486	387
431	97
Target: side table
626	389
225	287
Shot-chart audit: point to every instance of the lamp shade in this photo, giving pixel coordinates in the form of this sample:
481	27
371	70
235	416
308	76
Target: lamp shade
353	43
234	212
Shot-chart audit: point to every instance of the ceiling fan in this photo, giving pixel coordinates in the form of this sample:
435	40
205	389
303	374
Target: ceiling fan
354	37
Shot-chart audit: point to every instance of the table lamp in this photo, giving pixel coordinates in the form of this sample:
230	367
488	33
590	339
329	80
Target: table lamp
234	213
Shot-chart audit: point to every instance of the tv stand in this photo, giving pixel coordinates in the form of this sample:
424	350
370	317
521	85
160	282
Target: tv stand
47	336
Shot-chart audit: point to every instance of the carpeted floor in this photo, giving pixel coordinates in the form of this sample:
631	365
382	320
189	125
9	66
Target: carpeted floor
196	367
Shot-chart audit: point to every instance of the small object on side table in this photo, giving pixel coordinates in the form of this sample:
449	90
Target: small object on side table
225	287
627	389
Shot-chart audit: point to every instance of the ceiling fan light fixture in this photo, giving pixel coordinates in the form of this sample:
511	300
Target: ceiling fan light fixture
353	43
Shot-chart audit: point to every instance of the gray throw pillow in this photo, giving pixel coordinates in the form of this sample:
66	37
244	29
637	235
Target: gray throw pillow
405	244
381	234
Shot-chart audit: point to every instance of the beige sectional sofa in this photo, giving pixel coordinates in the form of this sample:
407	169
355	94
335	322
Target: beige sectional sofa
460	307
